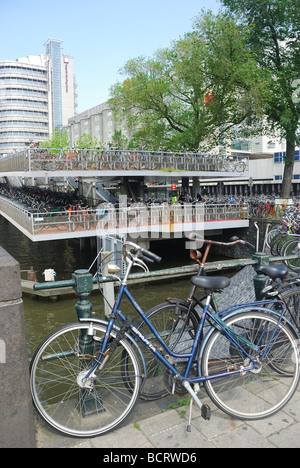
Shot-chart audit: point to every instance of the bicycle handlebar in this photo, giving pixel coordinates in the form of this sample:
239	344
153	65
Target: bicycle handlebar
144	254
233	241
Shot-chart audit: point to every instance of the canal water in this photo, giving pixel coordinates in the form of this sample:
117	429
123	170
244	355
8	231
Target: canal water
44	315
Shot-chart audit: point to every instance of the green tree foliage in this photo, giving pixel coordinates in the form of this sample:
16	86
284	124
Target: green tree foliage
164	100
85	141
118	140
58	140
275	40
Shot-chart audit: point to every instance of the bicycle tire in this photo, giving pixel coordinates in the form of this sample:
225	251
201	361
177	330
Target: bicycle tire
56	372
274	242
246	395
168	319
281	244
271	235
292	248
291	298
240	166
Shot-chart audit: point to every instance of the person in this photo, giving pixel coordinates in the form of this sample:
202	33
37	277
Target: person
31	275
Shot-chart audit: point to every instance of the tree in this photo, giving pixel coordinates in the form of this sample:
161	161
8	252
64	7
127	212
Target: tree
119	140
85	141
58	139
274	38
162	102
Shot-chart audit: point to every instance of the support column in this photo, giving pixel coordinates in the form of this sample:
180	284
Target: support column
196	187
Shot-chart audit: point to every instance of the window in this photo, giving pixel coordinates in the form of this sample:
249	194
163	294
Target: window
278	157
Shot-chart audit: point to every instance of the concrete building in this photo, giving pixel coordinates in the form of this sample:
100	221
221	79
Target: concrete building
96	122
37	95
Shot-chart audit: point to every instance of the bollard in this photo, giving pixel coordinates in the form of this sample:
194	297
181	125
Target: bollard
16	422
83	287
260	279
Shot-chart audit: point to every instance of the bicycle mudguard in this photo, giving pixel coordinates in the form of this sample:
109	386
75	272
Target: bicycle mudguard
130	338
237	311
258	305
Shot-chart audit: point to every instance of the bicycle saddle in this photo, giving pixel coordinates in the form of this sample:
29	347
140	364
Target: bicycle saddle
210	283
274	271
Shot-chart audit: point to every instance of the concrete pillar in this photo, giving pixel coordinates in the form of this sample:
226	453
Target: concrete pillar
185	184
16	421
196	187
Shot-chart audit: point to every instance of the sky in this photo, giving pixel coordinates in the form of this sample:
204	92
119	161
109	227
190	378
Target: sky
101	35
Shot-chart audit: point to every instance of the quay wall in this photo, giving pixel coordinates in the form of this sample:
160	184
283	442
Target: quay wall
16	422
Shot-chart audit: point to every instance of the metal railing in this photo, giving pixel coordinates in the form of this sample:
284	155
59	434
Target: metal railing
82	281
122	160
169	218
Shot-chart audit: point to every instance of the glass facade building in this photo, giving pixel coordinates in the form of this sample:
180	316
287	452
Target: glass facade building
53	53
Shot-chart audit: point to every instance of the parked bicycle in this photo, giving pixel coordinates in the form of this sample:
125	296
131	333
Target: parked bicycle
86	377
178	320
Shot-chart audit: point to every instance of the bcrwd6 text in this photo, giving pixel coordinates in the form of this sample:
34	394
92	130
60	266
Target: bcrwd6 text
165	457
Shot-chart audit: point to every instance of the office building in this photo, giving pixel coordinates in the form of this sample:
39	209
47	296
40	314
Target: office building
37	95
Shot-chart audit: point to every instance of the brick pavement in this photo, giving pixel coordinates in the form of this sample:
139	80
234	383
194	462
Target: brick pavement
166	429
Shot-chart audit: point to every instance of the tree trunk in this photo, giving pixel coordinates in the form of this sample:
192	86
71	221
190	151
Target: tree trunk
288	170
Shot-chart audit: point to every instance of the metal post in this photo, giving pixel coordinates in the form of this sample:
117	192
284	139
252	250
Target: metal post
108	288
83	288
260	279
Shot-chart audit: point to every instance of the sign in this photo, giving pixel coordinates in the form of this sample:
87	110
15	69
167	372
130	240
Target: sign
173	187
284	201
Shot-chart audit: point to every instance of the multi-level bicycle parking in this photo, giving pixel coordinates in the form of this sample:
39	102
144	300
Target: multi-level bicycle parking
121	160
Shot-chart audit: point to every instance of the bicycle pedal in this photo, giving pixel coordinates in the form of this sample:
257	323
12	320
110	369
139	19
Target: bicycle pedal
206	412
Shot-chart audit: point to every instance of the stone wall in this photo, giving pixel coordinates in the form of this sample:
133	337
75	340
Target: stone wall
16	421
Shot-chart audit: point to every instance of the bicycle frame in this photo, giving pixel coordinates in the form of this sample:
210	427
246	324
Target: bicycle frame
189	356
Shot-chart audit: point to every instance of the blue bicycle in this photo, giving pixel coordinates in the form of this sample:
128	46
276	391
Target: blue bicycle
86	377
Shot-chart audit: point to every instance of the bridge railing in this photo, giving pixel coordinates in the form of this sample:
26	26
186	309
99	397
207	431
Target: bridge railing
123	160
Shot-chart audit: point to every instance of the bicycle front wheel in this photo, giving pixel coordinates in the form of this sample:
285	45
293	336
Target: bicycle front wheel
261	392
59	394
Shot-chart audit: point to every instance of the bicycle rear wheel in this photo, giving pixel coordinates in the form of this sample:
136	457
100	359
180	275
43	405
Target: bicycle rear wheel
63	399
263	391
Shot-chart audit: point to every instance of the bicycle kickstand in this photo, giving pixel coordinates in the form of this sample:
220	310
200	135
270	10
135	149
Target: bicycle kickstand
205	409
